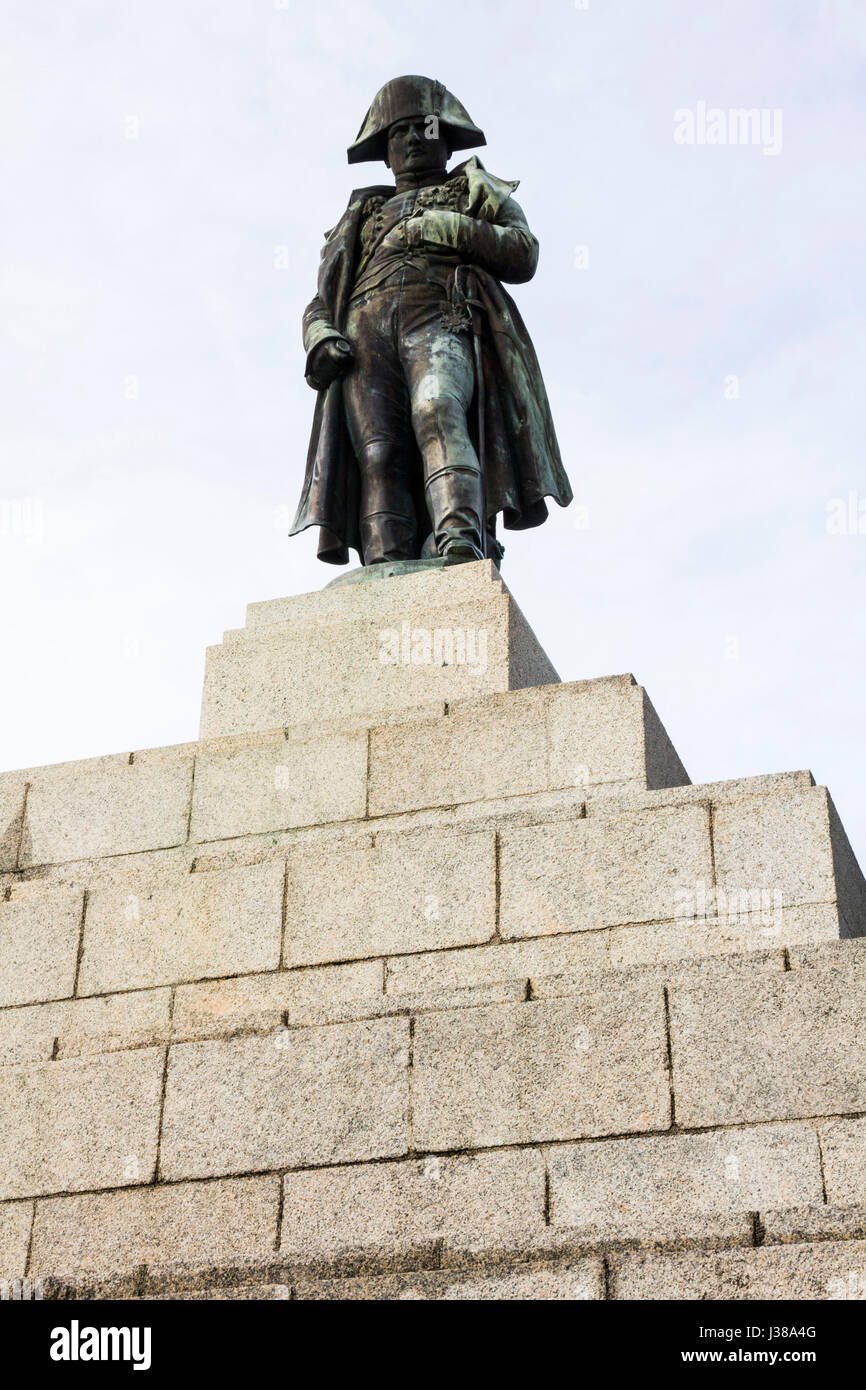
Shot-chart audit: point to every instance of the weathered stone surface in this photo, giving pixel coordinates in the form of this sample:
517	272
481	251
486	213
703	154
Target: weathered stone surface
715	972
598	799
772	1047
551	1069
287	1099
106	806
74	1125
279	784
826	1270
405	893
580	1280
107	1023
103	1232
779	845
850	881
15	1222
262	1002
265	1001
843	1144
200	925
575	735
575	962
396	1204
650	1186
39	930
336	602
819	1222
12	791
78	1027
28	1034
663	765
606	731
470	997
583	874
246	1292
366	665
731	932
439	971
846	957
469	757
369	649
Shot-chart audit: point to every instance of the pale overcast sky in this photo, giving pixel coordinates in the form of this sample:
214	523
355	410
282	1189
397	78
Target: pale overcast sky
698	314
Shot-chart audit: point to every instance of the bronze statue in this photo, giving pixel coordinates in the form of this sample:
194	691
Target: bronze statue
431	415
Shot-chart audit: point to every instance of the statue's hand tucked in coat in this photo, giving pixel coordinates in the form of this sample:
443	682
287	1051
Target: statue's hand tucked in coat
506	248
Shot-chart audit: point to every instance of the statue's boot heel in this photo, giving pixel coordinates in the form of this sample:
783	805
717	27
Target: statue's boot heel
387	536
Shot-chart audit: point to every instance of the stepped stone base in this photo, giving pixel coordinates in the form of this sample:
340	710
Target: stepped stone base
407	640
407	983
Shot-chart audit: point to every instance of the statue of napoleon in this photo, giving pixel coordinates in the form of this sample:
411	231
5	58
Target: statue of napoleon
431	417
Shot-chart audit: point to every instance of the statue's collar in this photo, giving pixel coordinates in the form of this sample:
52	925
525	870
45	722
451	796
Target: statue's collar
408	183
487	193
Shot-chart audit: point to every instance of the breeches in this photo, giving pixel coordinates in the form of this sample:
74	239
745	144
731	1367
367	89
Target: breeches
413	375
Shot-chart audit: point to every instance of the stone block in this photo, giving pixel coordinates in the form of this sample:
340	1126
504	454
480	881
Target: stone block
843	1145
199	925
599	799
279	785
109	1023
291	1098
79	1027
16	1219
850	882
475	755
779	846
106	806
551	1069
440	971
105	1232
826	1270
266	1001
73	1125
405	893
577	875
771	1047
583	1279
28	1034
256	1293
39	930
369	650
800	1225
715	972
651	1186
606	731
576	735
389	1205
337	602
13	787
730	933
846	957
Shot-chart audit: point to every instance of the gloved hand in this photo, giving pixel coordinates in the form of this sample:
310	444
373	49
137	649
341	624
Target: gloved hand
330	359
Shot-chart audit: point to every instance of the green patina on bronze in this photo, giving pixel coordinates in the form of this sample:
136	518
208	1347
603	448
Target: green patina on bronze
432	417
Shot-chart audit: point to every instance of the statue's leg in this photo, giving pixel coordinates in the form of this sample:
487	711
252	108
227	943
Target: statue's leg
441	375
378	417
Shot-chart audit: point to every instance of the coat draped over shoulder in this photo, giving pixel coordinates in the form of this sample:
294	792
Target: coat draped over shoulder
522	462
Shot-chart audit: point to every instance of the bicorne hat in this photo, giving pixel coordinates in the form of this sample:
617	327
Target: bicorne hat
404	97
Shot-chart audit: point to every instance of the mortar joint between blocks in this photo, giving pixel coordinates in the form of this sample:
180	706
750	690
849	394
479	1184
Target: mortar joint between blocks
670	1057
79	955
20	845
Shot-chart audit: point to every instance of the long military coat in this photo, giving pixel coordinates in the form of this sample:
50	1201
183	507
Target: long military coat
522	462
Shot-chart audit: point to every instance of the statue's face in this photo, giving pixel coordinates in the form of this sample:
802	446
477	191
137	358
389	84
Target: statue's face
413	150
